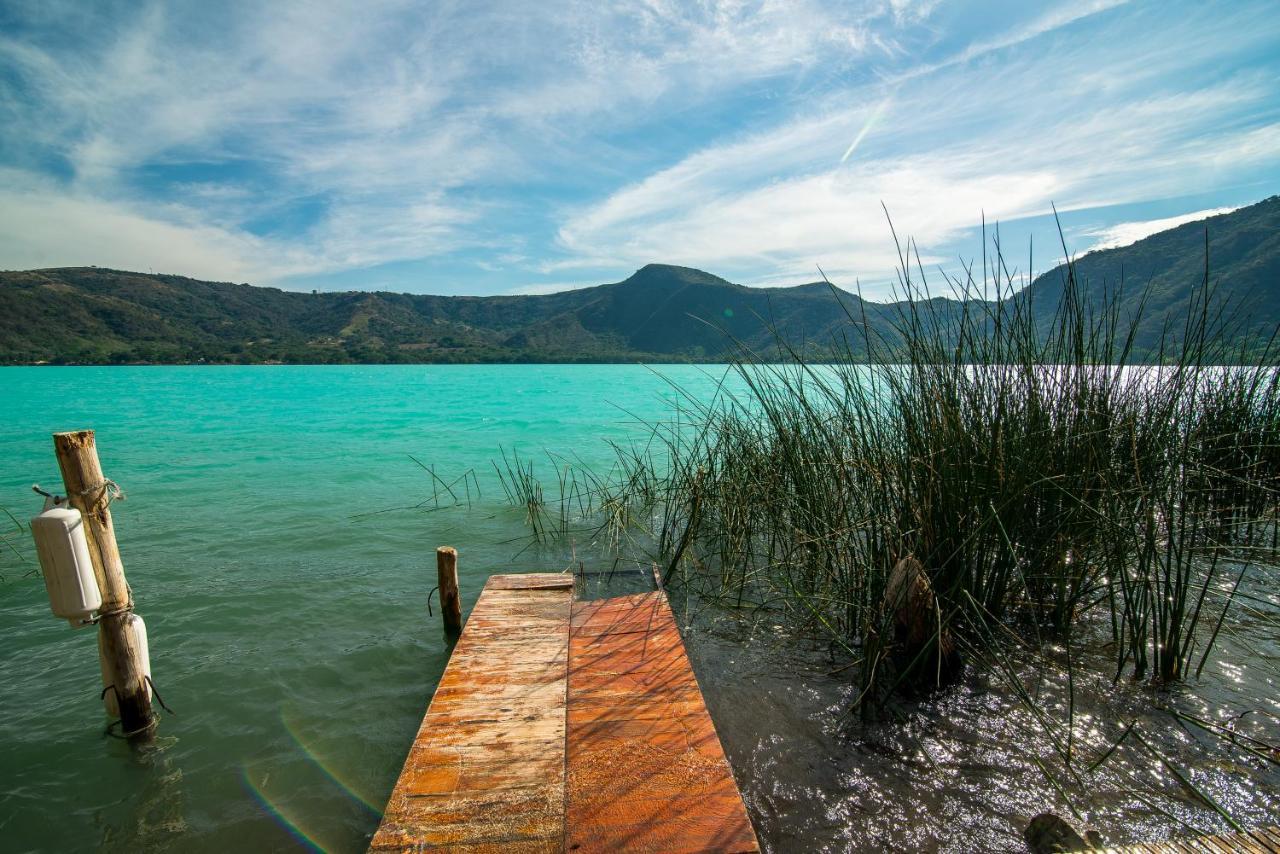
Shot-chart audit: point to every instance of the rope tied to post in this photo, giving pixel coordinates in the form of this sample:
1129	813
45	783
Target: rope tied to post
108	488
126	608
155	717
114	728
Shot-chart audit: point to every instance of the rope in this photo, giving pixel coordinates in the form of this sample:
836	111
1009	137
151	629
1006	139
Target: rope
430	613
114	725
159	699
155	718
108	487
56	499
150	725
126	608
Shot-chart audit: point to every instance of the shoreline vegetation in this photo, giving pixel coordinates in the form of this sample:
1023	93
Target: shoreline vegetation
1013	483
1054	497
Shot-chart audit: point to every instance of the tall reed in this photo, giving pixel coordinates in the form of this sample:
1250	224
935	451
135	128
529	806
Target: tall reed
1036	454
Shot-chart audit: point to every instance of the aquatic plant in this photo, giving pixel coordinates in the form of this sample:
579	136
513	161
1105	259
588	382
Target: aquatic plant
1016	443
12	541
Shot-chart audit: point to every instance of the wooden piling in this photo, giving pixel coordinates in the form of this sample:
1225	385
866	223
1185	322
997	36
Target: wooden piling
450	600
89	491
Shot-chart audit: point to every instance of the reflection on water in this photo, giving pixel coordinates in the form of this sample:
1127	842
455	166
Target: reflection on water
967	769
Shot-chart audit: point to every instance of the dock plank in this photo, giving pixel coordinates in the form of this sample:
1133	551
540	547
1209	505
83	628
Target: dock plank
486	771
646	771
566	726
1263	840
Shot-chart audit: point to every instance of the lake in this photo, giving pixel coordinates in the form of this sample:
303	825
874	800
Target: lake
286	616
284	588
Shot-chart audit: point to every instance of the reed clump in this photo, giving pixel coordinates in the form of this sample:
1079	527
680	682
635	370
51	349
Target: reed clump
1037	463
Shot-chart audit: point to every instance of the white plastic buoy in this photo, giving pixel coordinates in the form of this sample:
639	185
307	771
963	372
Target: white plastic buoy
65	564
132	623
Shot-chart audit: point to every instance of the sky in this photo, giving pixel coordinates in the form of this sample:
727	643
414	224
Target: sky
491	148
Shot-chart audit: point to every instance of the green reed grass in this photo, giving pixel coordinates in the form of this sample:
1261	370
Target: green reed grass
1036	463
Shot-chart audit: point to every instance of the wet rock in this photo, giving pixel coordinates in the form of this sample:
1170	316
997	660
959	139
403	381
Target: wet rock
1051	834
925	646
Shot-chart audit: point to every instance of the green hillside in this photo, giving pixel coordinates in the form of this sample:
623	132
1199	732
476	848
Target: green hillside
1243	264
89	315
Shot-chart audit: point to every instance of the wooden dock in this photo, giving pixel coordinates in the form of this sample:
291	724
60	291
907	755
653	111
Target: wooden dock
566	726
1262	840
579	726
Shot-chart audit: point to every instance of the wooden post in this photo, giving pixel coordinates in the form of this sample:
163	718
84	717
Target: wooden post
87	491
450	601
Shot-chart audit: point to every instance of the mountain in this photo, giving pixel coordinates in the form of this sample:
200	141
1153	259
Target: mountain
661	313
92	315
1241	257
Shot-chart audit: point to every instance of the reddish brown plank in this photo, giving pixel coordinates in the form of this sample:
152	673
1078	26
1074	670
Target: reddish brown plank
536	682
646	771
531	581
486	769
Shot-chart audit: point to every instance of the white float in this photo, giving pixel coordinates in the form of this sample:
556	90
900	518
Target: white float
132	623
65	564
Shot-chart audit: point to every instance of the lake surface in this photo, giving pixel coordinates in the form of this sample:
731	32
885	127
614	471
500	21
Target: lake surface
288	632
288	626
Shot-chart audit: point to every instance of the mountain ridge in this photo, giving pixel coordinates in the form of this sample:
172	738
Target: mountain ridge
662	312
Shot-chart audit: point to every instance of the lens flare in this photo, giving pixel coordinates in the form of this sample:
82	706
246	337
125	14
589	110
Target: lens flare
274	810
326	767
866	128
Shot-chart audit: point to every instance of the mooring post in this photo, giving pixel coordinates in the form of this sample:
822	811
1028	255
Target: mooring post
450	601
90	492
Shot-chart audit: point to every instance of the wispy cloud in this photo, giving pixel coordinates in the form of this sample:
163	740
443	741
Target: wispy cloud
543	288
42	226
757	138
767	203
1125	233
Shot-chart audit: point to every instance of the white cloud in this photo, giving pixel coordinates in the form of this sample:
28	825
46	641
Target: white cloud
262	141
542	288
1125	233
832	219
1005	140
40	227
1051	19
392	113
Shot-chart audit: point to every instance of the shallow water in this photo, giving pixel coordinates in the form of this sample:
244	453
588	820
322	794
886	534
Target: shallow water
959	771
288	627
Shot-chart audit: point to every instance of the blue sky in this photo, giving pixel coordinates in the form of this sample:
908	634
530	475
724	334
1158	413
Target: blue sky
487	148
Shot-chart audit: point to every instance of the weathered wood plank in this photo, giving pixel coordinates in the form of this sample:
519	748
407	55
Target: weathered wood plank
581	726
1264	840
646	771
486	769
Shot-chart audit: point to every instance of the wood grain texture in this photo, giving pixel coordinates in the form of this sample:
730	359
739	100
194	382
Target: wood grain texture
447	582
87	491
1263	840
646	771
486	769
566	727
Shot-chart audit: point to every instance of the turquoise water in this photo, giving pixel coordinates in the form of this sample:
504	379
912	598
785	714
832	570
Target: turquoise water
288	633
288	629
